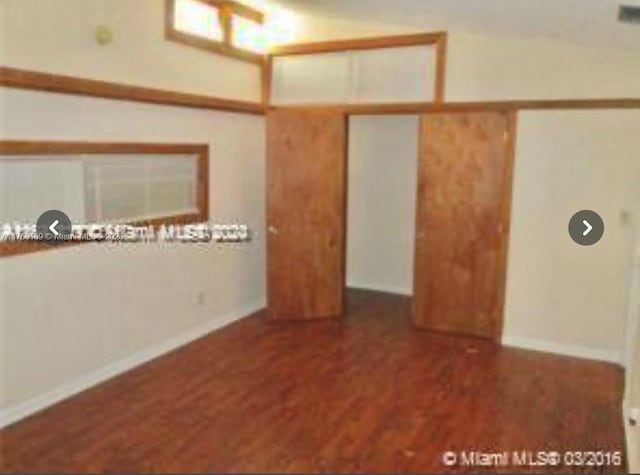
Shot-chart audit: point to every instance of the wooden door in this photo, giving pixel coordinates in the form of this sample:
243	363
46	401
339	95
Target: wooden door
306	208
462	221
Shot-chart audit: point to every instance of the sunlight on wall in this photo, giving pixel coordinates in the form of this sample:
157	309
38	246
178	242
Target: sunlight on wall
199	19
248	34
281	24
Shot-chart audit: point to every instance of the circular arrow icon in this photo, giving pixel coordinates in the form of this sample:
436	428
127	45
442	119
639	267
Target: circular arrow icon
54	226
586	227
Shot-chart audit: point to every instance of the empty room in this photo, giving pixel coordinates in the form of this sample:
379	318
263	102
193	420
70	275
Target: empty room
319	236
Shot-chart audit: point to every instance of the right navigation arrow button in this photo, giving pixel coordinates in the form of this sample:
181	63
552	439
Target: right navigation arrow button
586	227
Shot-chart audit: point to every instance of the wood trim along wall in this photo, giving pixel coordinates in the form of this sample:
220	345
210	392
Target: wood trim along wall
74	149
39	81
267	78
32	147
55	83
441	67
438	39
359	44
432	107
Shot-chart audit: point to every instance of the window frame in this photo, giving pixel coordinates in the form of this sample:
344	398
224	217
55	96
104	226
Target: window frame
55	150
226	9
436	39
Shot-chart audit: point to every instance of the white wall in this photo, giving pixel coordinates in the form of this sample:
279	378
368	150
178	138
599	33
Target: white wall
492	67
558	292
489	66
383	158
72	315
57	36
481	65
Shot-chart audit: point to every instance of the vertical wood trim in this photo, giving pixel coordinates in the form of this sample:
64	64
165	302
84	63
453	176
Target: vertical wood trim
267	79
345	214
203	184
268	162
441	67
417	239
224	15
507	204
169	15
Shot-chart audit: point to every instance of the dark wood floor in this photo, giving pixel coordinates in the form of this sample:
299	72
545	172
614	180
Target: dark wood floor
367	395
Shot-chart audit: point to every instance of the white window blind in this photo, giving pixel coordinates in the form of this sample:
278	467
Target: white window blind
401	74
129	187
30	186
99	188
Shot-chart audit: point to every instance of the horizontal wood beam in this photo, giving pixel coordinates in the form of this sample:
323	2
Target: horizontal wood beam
38	81
432	107
32	80
359	44
31	147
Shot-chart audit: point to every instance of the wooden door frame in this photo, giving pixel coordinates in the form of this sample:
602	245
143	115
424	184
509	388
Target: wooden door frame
507	206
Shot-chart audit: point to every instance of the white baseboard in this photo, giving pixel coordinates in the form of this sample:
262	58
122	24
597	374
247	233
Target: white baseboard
381	288
632	439
599	354
20	411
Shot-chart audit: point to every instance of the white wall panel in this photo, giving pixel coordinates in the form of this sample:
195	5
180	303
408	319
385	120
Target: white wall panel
405	74
558	291
394	75
318	78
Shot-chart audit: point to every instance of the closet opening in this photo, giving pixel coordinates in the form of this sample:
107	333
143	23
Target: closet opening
382	164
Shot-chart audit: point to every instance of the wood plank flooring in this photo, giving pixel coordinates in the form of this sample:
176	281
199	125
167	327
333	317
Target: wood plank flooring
369	394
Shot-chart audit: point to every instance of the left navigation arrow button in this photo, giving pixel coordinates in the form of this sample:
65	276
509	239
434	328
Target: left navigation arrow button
54	227
55	232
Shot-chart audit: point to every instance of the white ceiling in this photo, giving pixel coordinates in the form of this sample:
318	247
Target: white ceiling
590	22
